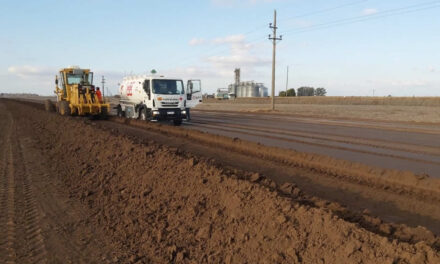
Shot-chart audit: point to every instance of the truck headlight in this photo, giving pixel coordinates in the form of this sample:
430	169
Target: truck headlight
155	113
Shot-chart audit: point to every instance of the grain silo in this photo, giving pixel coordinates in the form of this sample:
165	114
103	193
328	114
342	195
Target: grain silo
246	89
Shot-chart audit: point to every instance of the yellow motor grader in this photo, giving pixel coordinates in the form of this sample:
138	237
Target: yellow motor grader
76	94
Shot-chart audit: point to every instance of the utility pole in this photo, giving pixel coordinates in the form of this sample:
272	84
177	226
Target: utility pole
103	89
274	39
287	79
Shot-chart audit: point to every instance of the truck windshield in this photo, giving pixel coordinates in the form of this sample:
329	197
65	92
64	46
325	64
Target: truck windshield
168	87
79	78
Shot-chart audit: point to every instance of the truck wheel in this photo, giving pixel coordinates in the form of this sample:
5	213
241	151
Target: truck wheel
177	122
143	114
49	106
64	108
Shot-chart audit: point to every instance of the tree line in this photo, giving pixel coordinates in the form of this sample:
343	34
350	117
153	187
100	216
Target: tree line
303	91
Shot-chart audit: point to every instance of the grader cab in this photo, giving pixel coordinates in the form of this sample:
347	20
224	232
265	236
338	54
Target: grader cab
76	94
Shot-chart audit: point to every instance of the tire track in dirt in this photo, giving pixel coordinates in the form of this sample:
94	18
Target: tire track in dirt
376	143
23	242
266	135
68	238
7	197
389	126
51	226
36	248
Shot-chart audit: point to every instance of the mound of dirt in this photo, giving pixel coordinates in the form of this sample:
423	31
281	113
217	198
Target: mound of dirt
166	206
393	180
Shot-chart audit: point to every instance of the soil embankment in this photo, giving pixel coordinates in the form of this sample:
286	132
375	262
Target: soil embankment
161	205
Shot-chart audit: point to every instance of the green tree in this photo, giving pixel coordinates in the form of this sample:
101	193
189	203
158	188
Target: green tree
306	91
320	92
291	92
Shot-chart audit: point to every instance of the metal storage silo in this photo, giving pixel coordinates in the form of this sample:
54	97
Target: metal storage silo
246	89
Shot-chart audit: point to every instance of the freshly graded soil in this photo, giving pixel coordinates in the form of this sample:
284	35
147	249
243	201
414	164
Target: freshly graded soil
149	203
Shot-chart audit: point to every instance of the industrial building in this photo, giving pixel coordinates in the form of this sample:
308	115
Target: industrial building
246	89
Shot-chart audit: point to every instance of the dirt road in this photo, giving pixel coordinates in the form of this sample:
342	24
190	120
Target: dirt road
403	146
39	222
125	191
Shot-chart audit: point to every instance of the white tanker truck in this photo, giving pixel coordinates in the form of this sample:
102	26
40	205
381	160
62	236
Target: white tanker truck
157	98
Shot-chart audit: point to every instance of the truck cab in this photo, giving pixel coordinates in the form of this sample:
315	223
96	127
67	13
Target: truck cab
152	98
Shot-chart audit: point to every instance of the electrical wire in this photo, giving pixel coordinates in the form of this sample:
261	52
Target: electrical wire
357	19
259	28
323	10
335	23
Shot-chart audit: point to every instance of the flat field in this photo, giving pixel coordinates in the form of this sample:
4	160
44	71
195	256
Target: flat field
403	109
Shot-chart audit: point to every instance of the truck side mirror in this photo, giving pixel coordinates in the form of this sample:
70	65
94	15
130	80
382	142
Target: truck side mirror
56	80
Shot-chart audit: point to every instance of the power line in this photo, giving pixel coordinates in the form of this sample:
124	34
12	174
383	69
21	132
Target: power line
324	10
382	14
335	23
259	28
320	11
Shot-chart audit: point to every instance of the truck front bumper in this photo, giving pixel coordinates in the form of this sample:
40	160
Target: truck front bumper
168	114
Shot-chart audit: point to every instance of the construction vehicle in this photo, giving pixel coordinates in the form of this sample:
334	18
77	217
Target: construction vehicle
155	98
76	94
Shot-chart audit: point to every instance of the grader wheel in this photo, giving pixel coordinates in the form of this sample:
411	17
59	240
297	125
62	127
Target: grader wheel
64	108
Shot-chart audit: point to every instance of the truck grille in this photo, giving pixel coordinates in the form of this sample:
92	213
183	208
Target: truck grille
170	104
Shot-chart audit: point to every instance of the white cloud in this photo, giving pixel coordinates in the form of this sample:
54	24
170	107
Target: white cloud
238	60
197	41
432	69
40	79
27	71
369	11
229	39
241	54
234	51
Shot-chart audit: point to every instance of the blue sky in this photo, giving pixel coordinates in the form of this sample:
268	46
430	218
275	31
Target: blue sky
393	54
